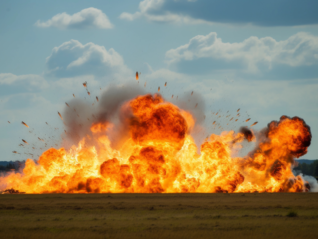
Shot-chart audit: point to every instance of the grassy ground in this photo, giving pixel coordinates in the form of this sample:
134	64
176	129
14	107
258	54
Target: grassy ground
159	216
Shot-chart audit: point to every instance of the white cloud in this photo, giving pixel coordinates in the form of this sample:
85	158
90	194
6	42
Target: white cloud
87	18
226	12
72	58
27	82
148	9
298	50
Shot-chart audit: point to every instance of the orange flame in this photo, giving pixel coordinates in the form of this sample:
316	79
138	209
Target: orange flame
160	156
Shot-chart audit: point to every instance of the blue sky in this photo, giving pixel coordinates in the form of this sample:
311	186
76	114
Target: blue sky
260	56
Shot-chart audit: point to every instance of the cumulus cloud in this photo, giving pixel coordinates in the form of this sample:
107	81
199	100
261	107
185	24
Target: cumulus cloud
152	10
87	18
72	58
228	11
254	53
11	83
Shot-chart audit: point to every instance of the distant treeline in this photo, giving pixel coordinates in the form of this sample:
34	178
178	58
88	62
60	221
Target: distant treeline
308	168
6	166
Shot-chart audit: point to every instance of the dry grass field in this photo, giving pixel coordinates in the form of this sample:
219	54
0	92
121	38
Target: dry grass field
159	216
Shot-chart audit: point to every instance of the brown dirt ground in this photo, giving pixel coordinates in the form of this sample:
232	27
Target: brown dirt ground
159	216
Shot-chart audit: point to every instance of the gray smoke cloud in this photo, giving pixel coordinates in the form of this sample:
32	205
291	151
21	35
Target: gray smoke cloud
80	115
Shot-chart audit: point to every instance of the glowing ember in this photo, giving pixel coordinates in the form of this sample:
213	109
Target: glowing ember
137	75
248	120
25	124
67	104
160	156
85	84
97	98
60	115
24	141
254	123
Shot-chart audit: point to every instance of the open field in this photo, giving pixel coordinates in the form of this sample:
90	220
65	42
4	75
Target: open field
159	216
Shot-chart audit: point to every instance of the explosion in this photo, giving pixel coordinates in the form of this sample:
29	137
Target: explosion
159	155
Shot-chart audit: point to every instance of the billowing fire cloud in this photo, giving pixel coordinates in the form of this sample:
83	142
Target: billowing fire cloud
160	156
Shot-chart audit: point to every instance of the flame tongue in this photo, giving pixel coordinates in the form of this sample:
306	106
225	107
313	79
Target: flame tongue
161	156
157	122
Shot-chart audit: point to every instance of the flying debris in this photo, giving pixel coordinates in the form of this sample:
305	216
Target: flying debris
88	93
158	88
73	95
65	131
9	122
97	98
25	124
15	152
231	118
238	114
67	104
40	139
192	93
213	122
254	123
196	105
46	123
85	84
145	84
60	115
238	110
25	141
247	120
171	96
137	76
21	144
236	120
166	84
